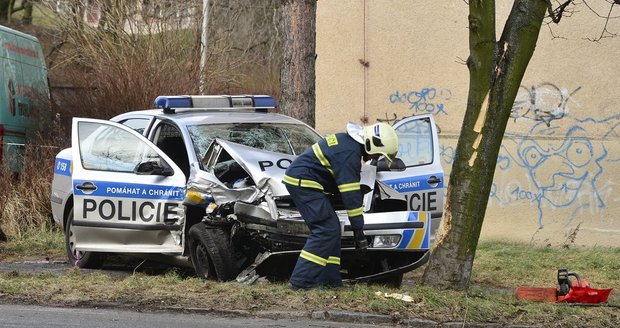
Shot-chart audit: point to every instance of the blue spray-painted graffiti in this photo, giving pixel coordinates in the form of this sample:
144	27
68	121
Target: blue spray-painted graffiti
542	103
446	154
564	170
563	162
426	100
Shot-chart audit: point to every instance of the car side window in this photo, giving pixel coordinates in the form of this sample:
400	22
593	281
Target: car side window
415	142
170	140
137	124
109	148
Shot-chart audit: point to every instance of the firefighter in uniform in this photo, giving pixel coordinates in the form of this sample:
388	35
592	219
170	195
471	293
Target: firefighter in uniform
333	165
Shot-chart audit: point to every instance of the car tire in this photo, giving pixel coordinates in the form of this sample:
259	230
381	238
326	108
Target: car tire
211	253
87	260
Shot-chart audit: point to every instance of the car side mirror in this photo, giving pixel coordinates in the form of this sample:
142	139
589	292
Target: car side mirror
153	168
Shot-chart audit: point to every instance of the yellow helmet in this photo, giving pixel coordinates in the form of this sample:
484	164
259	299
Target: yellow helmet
380	138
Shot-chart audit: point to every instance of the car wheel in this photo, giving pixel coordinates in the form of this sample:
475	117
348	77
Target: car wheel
211	254
90	260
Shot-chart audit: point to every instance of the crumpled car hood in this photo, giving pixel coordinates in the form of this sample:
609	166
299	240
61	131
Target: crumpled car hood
266	169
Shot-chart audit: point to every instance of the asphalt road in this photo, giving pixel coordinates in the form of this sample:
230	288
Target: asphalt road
117	266
50	317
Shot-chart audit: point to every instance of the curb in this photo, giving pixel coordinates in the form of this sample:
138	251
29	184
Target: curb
326	315
342	316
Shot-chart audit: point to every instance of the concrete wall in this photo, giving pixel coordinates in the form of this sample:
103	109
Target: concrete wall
559	167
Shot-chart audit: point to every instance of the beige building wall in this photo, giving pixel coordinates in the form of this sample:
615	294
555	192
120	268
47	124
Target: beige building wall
558	174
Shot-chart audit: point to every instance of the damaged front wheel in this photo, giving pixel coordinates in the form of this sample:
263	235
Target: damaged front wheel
211	253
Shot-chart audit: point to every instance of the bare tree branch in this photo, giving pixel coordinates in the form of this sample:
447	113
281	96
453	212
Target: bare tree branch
553	36
556	14
611	2
611	35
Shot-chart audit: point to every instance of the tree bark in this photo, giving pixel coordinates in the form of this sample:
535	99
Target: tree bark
496	70
6	9
298	68
204	34
27	5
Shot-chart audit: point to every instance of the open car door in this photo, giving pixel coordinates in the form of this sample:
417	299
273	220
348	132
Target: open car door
422	180
127	193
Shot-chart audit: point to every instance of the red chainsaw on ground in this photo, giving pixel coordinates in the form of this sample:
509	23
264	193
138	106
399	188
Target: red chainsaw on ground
575	290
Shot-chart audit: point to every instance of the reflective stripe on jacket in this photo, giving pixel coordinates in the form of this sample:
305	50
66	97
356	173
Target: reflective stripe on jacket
332	165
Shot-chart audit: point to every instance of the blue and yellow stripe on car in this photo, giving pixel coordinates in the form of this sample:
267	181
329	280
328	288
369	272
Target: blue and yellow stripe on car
417	238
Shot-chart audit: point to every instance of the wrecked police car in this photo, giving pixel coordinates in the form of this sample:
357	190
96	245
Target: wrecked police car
198	183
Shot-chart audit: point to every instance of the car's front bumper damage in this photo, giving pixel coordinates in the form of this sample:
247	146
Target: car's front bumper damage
409	251
264	222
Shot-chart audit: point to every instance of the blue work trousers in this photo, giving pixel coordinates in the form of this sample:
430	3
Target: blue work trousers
318	264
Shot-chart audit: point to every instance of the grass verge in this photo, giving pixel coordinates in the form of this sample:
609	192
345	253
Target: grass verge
39	244
499	268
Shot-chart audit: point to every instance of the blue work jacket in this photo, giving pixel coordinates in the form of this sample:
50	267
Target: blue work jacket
332	165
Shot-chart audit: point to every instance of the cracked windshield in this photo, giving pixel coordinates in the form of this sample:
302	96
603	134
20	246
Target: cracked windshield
290	139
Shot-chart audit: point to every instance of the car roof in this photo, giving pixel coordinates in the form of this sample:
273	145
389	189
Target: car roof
209	116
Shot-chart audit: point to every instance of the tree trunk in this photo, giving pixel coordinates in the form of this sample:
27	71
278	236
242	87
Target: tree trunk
204	36
6	9
27	5
297	75
496	70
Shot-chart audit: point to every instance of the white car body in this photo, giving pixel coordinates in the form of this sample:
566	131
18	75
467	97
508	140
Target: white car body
129	195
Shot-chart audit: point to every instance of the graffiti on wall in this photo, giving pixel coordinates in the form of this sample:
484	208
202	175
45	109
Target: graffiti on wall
426	100
565	169
564	166
573	172
545	103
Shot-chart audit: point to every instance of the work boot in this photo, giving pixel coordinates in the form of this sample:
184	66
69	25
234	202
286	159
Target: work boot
295	287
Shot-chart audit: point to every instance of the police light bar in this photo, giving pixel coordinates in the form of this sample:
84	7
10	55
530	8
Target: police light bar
172	103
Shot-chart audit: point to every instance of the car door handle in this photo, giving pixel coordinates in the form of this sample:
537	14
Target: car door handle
433	180
86	186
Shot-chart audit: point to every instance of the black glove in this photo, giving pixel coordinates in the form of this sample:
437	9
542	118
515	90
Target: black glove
361	243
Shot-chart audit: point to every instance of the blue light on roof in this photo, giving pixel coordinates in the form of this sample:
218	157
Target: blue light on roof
264	102
173	102
241	102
